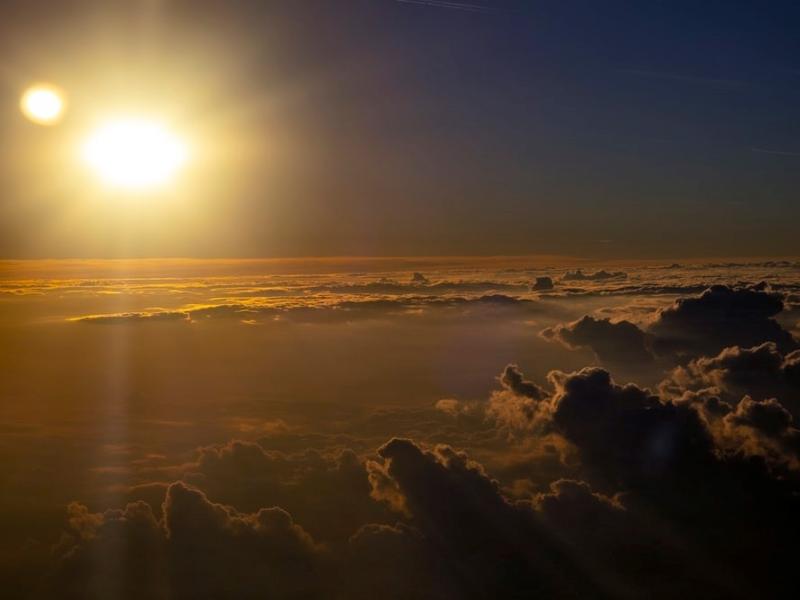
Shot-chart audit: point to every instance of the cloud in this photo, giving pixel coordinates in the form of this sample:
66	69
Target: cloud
721	316
763	428
513	380
577	484
542	284
672	497
137	317
579	275
199	549
381	558
697	485
114	554
517	404
625	430
327	492
215	551
418	286
320	310
571	540
493	548
692	326
635	435
619	341
761	372
463	6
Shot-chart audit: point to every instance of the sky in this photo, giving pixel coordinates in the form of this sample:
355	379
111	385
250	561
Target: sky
388	128
449	300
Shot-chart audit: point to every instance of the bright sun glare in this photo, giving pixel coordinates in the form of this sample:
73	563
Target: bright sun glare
42	104
135	153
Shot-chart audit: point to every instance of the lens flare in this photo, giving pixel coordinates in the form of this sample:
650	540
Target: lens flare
135	153
43	104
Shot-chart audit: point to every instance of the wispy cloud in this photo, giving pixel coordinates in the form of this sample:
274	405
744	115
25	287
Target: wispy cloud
679	77
778	152
451	5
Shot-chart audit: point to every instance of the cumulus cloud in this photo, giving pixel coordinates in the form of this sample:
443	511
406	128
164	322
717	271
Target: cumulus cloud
721	316
763	428
513	380
199	549
692	326
574	485
114	554
519	401
675	460
494	548
663	468
216	551
625	429
419	278
761	372
327	492
611	341
542	284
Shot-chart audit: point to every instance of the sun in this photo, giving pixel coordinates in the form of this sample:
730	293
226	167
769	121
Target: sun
42	104
135	153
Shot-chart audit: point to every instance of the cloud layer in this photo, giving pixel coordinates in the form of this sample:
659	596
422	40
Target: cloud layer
553	477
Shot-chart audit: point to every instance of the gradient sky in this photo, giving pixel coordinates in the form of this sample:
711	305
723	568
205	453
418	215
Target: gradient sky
502	294
388	127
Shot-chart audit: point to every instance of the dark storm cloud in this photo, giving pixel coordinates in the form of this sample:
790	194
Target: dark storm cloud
619	341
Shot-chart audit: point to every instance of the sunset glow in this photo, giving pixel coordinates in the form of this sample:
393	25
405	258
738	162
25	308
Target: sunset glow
134	153
399	299
43	104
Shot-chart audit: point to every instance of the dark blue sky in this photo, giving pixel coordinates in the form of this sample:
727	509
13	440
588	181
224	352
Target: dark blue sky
621	129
